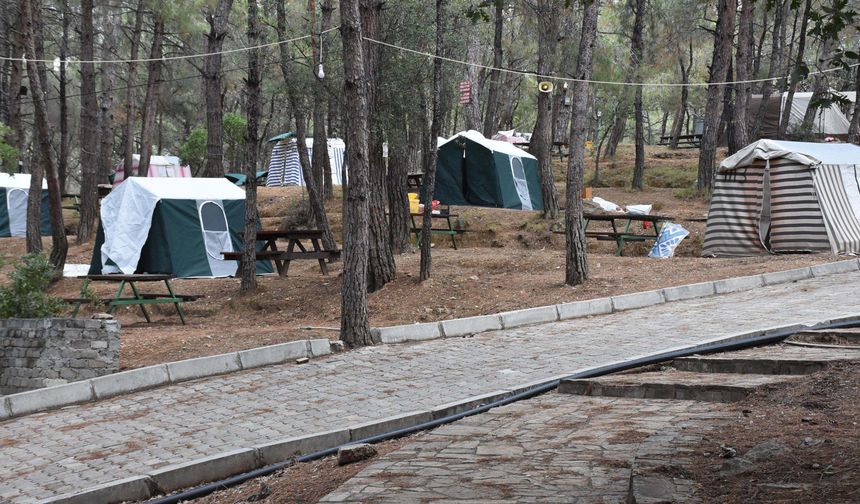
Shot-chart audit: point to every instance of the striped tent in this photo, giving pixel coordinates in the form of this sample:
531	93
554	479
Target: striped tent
776	196
286	170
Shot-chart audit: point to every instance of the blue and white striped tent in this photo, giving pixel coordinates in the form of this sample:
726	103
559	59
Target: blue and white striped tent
284	166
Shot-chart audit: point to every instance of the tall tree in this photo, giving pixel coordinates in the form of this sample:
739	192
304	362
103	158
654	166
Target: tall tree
131	75
63	162
819	87
743	70
472	110
495	75
854	128
430	144
15	138
720	62
253	86
678	122
217	19
315	200
59	244
548	16
321	161
111	23
576	263
153	87
381	266
398	198
775	66
797	73
636	54
354	323
89	128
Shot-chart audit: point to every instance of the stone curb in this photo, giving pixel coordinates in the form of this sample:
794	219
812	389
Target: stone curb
601	306
223	465
103	387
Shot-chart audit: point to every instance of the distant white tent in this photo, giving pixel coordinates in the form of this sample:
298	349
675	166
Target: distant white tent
285	169
159	166
828	120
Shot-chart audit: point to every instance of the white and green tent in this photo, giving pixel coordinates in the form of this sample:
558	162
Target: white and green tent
177	226
14	191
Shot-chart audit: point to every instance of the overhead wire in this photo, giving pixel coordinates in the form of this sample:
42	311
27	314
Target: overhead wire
425	54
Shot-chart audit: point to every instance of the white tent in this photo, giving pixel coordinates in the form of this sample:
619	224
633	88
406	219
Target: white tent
159	166
14	192
285	169
828	120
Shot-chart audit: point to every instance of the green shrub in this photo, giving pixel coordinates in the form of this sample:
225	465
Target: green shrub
27	296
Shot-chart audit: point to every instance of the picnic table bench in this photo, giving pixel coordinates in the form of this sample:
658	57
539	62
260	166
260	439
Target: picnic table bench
138	298
449	230
626	234
684	140
282	258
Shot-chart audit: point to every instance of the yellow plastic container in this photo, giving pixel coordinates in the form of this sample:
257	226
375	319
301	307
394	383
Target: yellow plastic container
413	202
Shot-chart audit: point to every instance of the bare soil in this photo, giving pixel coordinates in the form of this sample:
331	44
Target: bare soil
300	482
816	421
507	260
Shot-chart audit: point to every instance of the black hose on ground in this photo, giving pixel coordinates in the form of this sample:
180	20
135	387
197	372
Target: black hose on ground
203	490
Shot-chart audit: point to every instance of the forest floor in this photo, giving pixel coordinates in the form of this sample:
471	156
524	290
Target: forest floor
507	260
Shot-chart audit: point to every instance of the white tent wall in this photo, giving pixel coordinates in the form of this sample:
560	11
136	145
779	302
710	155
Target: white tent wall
828	120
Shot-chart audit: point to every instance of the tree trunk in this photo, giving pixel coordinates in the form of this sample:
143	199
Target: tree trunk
60	246
106	124
719	68
354	324
321	161
150	104
636	52
678	123
130	110
576	262
854	128
211	72
540	145
63	164
795	77
15	138
89	129
775	68
618	127
399	222
819	88
743	68
472	110
495	75
430	158
253	88
315	200
381	266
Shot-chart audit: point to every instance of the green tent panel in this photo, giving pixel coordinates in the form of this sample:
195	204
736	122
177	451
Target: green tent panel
14	191
472	170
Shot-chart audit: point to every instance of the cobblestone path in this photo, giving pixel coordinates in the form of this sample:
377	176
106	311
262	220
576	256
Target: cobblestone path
77	447
555	448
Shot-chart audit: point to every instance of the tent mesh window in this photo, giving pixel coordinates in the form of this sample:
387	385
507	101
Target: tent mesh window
215	231
521	183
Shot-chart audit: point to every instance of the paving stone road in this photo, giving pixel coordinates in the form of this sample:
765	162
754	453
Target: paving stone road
77	447
555	448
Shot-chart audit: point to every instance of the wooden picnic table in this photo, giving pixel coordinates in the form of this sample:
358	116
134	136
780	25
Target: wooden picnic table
449	230
618	219
414	181
688	140
138	298
295	239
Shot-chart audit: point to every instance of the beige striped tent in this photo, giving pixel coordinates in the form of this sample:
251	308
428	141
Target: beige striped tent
775	196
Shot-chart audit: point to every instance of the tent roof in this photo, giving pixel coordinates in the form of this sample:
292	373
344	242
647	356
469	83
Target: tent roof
179	188
493	145
18	181
807	153
282	136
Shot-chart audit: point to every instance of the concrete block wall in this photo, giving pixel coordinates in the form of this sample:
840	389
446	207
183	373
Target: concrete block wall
37	353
